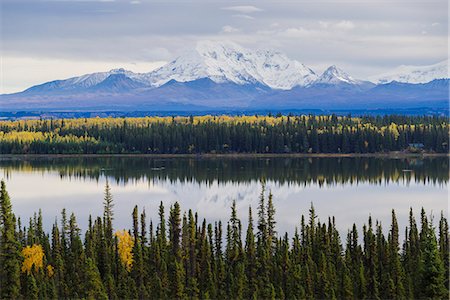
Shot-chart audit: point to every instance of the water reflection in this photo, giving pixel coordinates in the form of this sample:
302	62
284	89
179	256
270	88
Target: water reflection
349	188
303	171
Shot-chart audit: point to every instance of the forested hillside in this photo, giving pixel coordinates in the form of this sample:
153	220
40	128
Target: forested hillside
182	256
225	134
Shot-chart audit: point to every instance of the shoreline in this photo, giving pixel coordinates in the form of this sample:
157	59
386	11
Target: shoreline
390	155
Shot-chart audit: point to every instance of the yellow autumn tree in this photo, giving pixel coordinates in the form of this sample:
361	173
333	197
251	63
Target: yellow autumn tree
33	257
50	271
125	247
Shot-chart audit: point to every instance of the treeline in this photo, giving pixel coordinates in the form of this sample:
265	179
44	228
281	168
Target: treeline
184	257
226	134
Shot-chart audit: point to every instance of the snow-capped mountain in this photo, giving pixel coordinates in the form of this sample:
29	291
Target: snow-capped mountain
84	82
334	75
229	62
117	83
414	74
224	75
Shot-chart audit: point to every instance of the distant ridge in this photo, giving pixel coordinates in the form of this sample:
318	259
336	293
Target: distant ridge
415	74
224	75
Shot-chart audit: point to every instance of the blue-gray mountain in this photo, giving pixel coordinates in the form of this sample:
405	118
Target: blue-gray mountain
225	76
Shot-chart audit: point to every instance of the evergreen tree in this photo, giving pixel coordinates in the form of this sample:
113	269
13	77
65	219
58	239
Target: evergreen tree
190	261
433	273
9	249
371	261
444	247
396	272
250	259
93	286
176	271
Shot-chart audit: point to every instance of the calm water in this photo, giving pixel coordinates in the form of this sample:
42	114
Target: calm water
349	188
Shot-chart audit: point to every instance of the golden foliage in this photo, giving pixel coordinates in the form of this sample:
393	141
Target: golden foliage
141	122
125	247
50	271
33	257
55	131
32	136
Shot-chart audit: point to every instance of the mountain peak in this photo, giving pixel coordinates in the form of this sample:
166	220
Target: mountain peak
415	74
334	75
209	46
230	62
118	71
117	82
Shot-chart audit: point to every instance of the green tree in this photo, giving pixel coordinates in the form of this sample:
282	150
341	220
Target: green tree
9	249
175	269
433	275
93	286
251	291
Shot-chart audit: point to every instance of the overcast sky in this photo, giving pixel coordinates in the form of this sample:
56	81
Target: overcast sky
43	40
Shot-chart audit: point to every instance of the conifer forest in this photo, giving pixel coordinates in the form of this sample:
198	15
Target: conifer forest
226	134
181	256
224	150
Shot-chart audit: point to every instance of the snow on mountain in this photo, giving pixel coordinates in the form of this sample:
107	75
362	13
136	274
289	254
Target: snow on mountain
116	83
414	74
218	67
95	78
84	81
229	62
334	75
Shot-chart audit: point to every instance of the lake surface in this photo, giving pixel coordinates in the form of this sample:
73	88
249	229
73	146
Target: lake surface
351	189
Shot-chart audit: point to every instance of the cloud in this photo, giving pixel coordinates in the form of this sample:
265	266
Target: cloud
80	0
243	16
297	32
135	2
24	72
345	25
341	25
324	25
362	36
229	29
244	9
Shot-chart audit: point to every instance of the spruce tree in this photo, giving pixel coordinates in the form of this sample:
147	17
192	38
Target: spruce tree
411	258
9	249
444	247
175	269
137	270
271	233
263	249
433	275
250	260
93	287
396	272
371	262
108	217
31	288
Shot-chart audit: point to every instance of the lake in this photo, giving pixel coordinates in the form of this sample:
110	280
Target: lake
350	188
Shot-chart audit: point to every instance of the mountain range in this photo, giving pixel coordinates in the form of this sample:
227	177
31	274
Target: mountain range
224	76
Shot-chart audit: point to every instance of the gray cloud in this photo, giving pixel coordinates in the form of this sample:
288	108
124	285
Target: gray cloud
243	16
229	29
244	9
363	37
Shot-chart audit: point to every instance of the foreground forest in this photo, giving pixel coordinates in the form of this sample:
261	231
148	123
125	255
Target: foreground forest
226	134
185	257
